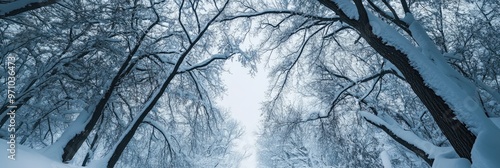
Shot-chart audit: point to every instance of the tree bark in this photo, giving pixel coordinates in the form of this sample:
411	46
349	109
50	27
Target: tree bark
455	131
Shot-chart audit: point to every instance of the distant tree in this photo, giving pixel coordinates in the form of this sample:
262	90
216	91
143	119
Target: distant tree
290	142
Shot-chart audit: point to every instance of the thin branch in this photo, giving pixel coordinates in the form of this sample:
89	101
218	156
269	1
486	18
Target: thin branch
291	13
204	63
182	24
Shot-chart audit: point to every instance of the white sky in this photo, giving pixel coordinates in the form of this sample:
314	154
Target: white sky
243	100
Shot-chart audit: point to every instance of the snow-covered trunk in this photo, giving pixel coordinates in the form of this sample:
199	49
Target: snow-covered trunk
460	137
73	137
457	133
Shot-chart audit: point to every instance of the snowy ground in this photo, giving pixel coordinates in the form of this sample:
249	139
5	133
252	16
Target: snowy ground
28	158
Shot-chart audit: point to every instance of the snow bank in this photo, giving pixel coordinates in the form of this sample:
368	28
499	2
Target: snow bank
28	158
55	150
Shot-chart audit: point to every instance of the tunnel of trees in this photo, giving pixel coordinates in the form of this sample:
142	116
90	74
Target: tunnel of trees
361	83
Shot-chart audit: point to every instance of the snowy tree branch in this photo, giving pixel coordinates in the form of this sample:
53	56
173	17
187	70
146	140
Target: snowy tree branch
290	13
20	6
406	138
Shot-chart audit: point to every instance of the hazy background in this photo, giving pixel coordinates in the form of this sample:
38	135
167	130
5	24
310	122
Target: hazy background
243	100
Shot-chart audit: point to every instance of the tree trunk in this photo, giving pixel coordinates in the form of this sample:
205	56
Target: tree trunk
456	132
155	96
76	141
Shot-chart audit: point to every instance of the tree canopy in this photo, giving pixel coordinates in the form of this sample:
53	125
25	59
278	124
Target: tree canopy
360	83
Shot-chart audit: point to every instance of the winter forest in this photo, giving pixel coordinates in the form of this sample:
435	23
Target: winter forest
350	83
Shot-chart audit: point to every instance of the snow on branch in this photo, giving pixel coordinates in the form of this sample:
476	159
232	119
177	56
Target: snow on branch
291	13
20	6
205	62
419	146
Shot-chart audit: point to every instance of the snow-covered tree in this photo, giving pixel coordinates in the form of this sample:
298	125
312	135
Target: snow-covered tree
96	77
416	70
355	83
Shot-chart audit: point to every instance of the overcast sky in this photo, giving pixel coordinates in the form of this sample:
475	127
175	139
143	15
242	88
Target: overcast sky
243	99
